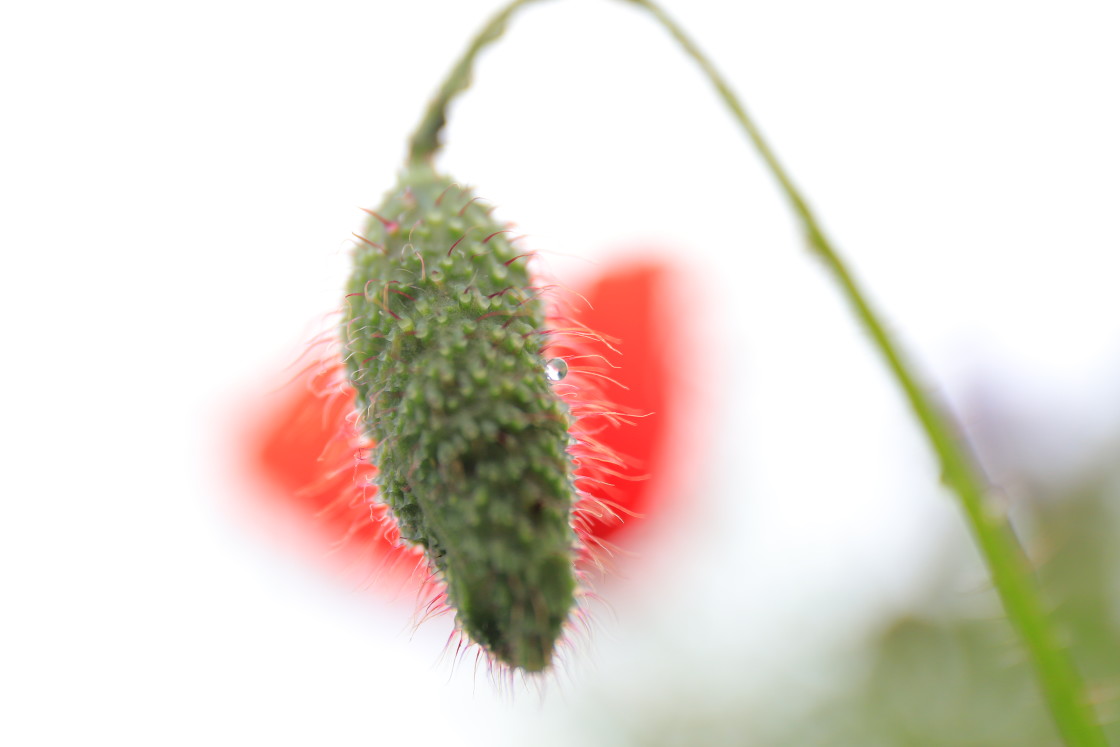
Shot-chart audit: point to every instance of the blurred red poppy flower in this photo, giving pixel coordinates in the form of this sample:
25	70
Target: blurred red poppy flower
309	457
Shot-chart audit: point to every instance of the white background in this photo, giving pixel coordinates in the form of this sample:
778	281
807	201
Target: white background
177	185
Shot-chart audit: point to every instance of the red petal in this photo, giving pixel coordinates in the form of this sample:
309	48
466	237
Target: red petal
624	307
310	455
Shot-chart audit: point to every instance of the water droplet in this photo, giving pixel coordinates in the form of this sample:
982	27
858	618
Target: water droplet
556	369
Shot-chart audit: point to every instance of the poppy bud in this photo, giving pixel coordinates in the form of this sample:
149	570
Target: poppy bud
444	344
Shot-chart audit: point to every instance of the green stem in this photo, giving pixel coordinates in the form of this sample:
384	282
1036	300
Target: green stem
425	140
1011	571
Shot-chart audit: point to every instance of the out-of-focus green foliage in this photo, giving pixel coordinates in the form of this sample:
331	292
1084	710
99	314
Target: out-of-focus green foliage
953	678
947	669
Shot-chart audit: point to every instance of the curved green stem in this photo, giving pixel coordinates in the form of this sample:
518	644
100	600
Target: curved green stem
425	143
1011	571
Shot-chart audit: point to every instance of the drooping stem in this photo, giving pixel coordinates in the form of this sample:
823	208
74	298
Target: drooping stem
1011	571
425	141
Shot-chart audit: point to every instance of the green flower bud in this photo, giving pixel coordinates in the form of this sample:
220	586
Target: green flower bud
442	337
